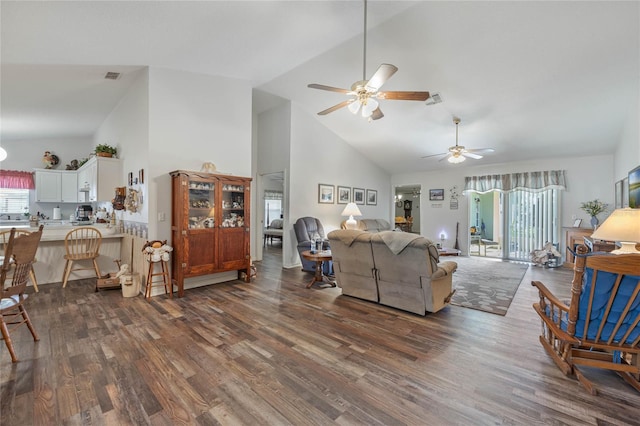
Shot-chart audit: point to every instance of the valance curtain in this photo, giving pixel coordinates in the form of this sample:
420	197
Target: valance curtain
272	195
527	181
13	179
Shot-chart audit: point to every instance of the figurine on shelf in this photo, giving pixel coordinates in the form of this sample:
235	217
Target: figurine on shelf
50	160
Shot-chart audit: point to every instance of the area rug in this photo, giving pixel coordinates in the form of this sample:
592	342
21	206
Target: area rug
486	285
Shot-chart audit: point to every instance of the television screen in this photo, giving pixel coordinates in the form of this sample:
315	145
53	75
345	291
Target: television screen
634	188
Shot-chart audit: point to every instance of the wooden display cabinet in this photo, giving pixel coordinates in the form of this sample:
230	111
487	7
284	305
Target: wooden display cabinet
209	225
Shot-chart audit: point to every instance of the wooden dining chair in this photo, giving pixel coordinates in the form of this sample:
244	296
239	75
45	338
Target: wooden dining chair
4	239
81	244
16	266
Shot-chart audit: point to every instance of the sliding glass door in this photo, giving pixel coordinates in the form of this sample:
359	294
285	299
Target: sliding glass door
532	219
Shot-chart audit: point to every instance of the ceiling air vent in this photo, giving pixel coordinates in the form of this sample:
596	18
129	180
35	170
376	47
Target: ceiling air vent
435	98
112	75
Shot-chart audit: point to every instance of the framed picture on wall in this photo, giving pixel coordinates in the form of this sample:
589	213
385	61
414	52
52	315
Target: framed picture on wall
372	197
344	194
625	192
634	188
618	191
325	194
358	195
436	194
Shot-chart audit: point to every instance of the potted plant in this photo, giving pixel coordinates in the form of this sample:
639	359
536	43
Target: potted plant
593	209
104	150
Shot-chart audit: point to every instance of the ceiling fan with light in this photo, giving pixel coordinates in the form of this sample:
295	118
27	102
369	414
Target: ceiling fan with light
366	92
458	153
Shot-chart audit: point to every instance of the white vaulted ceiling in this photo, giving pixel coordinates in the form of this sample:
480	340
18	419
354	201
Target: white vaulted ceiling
526	78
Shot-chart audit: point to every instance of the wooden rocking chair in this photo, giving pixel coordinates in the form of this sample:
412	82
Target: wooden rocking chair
600	327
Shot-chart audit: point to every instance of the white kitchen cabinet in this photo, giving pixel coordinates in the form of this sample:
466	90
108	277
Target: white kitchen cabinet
48	186
56	186
69	187
99	177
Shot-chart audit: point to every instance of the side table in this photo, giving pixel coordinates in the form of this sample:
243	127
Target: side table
319	257
448	252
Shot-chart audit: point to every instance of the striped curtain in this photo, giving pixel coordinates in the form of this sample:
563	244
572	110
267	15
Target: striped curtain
528	181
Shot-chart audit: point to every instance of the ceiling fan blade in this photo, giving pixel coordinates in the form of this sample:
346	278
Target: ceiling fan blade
377	114
471	155
435	155
336	107
481	150
404	96
384	73
329	88
446	157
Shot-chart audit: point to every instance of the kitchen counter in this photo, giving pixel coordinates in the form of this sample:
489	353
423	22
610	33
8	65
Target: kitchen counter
50	255
57	230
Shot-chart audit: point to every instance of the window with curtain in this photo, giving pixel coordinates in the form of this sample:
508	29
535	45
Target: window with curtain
14	191
532	208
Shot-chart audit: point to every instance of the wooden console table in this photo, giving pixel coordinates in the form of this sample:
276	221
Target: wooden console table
573	238
599	245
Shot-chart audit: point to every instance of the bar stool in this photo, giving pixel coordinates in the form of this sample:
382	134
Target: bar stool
157	254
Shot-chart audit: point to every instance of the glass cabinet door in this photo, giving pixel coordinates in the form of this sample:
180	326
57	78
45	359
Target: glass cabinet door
201	204
233	215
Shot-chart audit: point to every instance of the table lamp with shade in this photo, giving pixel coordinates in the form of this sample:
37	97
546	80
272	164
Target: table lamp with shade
623	226
351	210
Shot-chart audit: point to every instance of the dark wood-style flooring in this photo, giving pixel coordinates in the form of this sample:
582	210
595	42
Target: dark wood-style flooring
273	352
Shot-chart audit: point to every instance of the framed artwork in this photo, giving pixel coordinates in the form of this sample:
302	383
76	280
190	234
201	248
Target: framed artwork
372	197
325	194
634	188
577	223
436	194
344	194
625	192
618	190
358	195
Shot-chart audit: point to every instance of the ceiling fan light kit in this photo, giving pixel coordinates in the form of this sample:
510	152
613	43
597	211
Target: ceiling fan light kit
458	153
456	158
366	92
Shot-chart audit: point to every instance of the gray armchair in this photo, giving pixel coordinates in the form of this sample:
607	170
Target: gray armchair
307	228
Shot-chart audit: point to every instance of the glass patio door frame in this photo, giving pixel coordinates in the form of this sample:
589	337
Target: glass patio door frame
530	220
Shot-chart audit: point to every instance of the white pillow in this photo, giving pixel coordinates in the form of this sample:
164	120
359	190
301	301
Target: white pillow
276	224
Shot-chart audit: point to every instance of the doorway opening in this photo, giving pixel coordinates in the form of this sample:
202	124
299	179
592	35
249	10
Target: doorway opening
271	214
486	231
407	199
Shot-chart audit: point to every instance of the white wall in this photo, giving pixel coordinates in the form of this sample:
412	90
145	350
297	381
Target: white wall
127	129
627	155
193	119
319	156
587	178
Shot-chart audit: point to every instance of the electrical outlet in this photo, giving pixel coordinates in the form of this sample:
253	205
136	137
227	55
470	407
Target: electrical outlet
162	217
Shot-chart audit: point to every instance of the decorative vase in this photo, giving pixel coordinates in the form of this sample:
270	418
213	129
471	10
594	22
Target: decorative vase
594	222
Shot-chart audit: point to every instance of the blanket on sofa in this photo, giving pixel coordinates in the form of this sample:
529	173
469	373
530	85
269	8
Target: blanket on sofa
397	241
348	236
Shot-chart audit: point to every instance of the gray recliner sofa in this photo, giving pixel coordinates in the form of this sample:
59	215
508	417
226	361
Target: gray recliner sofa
306	229
370	225
395	269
